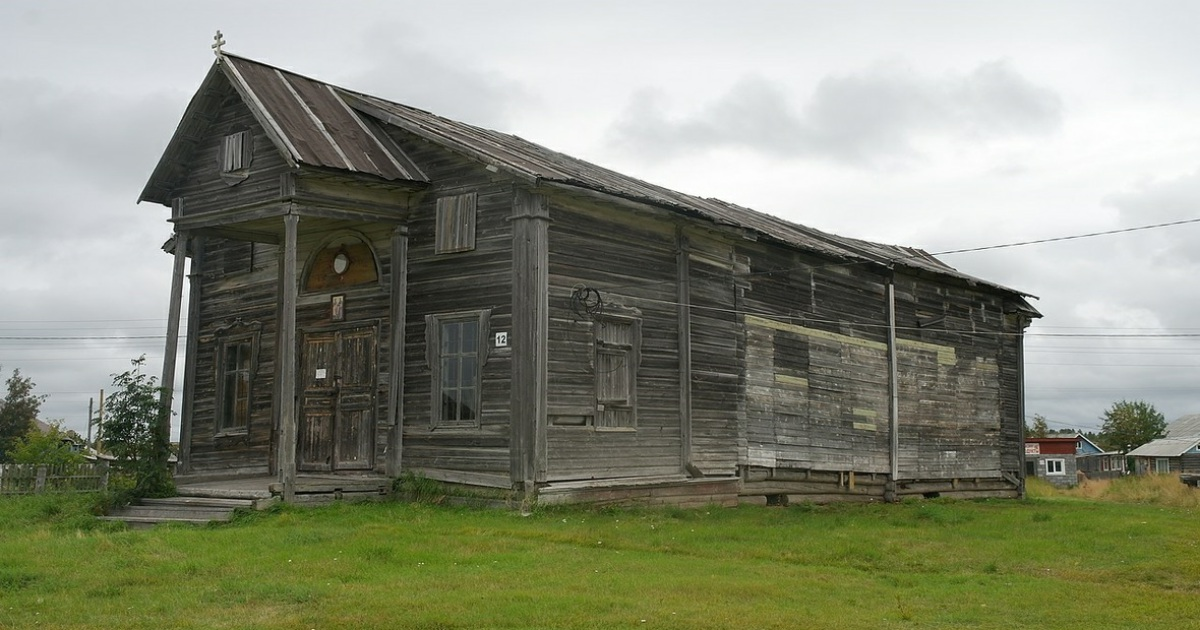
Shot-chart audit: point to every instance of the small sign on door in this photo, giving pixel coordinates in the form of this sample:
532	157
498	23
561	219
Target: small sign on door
320	373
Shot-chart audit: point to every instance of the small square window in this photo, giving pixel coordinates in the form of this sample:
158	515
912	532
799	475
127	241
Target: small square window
1055	467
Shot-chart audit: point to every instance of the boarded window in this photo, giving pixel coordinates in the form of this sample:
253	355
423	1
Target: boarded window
234	383
456	223
617	358
236	151
457	351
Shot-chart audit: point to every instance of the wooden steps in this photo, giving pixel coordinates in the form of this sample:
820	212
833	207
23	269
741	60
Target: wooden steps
184	509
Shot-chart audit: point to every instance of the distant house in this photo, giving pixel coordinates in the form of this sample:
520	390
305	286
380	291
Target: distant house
1177	452
69	439
1052	459
1064	459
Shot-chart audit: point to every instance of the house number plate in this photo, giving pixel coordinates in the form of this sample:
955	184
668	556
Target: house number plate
501	340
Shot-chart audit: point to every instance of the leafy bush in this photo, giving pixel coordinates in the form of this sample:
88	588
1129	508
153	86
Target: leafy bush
52	448
135	431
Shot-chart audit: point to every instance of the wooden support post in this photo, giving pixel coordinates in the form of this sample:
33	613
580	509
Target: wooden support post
285	360
162	431
531	320
1022	322
399	317
191	350
894	390
683	271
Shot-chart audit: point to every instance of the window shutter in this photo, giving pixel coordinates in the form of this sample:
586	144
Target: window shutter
456	217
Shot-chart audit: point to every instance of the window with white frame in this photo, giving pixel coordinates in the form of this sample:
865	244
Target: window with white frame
1056	467
1162	465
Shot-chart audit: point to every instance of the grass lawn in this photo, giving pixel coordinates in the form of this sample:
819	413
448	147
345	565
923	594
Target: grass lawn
1051	562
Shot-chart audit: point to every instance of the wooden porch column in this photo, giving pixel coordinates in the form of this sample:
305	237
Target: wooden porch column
530	321
285	360
191	348
163	427
399	317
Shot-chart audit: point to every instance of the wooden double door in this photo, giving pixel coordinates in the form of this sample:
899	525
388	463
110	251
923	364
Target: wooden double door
337	420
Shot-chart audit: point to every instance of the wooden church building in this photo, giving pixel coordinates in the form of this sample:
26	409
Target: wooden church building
376	290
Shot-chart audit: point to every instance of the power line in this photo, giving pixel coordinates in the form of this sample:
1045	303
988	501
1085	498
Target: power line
1072	237
87	339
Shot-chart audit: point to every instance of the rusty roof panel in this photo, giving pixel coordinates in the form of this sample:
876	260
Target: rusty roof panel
319	127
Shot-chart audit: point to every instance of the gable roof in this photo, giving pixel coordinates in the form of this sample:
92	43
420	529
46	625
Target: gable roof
1165	447
1184	427
319	124
308	122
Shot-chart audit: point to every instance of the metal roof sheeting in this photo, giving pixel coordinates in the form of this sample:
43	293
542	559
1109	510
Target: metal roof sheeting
1166	447
315	123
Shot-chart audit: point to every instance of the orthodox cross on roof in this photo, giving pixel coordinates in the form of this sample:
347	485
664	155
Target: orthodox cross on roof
217	43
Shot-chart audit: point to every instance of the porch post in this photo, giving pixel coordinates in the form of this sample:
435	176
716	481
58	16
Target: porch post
285	353
399	317
191	347
531	317
163	426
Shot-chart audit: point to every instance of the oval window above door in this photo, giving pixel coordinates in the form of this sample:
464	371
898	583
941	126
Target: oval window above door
345	262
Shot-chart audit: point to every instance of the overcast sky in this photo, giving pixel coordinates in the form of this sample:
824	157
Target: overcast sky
941	125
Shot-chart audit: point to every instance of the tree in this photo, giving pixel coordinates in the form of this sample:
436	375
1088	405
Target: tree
134	419
18	410
52	448
1040	428
1128	425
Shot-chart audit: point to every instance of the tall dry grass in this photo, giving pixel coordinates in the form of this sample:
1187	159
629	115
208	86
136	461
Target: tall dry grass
1164	490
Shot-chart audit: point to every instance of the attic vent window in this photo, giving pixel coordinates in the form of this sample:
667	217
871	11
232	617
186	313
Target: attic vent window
234	155
456	223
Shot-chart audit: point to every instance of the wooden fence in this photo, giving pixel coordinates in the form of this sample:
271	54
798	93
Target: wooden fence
35	478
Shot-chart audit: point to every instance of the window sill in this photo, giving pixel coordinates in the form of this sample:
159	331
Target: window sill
231	433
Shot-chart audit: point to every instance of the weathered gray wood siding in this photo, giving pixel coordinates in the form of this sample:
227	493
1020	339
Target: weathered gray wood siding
816	364
631	260
203	190
232	290
954	420
455	283
817	371
718	351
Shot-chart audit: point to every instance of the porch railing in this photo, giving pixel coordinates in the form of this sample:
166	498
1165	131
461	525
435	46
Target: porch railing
36	478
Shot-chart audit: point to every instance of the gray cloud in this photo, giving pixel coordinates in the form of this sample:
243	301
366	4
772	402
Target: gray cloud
108	139
402	71
872	118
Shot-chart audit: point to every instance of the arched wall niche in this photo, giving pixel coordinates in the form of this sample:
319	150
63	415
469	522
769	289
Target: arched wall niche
344	259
